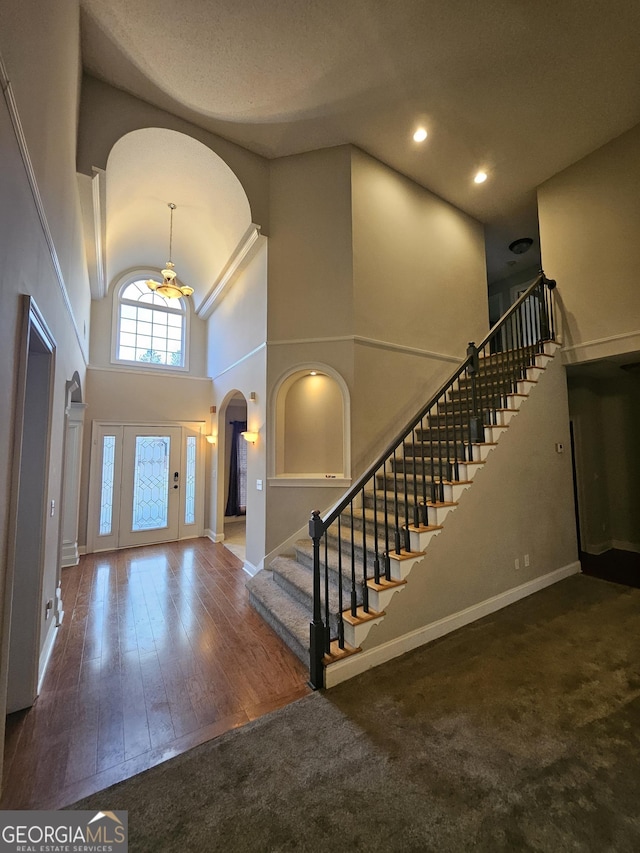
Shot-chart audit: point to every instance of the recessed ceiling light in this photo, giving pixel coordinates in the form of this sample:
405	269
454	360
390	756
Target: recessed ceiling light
420	135
481	177
313	373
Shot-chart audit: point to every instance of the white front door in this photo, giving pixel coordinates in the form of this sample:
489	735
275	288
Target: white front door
144	485
150	485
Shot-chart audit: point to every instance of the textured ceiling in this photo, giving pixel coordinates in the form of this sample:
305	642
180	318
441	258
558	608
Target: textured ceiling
520	88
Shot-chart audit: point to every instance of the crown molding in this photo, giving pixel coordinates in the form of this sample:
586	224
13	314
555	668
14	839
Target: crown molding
224	281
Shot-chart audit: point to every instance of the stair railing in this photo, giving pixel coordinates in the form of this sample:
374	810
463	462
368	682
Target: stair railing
411	475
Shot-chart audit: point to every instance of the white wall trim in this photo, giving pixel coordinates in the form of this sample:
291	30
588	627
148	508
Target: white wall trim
285	546
369	342
82	550
621	545
600	348
240	361
70	554
147	373
320	481
226	278
99	199
597	548
422	353
47	649
358	663
37	198
252	570
215	537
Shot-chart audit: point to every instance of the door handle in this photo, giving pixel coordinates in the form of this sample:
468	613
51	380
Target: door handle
176	477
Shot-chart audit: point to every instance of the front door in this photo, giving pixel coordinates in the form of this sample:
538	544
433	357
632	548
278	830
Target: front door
150	488
143	485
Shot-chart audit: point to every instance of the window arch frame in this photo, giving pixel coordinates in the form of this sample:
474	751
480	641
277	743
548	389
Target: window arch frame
120	285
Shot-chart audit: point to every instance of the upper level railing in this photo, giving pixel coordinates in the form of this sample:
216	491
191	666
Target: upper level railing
354	541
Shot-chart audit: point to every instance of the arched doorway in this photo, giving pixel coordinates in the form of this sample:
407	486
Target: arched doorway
233	422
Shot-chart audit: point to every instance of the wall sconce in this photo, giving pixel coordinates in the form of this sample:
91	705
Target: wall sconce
211	439
251	437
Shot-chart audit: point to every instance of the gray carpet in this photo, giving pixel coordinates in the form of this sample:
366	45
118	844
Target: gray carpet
520	732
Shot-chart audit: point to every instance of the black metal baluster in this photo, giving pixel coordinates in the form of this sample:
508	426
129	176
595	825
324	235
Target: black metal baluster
416	510
327	608
425	520
406	494
365	588
376	559
354	595
387	559
340	597
396	517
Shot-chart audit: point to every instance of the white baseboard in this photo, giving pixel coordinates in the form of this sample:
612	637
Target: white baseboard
70	554
47	649
287	545
82	550
215	537
252	570
621	545
358	663
597	548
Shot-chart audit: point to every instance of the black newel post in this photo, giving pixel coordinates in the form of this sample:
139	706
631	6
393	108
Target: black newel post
476	426
316	628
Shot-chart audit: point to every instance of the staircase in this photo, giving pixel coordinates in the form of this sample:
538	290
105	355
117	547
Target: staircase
340	580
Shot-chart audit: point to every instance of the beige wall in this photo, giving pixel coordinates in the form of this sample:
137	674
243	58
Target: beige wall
107	114
310	252
40	54
419	276
313	418
589	222
520	503
236	349
419	284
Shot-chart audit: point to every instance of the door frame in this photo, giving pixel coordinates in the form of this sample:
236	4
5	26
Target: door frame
190	531
24	599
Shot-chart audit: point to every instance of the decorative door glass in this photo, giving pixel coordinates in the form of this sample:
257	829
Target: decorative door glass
151	482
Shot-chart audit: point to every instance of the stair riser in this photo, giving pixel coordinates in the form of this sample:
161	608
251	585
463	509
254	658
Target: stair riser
281	630
305	559
450	492
305	597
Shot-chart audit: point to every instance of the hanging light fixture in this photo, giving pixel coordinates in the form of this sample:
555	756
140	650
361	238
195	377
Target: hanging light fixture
170	288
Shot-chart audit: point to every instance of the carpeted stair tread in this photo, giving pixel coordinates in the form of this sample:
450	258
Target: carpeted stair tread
288	617
297	581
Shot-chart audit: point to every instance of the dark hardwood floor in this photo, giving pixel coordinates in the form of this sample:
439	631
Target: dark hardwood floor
159	651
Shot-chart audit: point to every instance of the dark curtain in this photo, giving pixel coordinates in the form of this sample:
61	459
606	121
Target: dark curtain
237	498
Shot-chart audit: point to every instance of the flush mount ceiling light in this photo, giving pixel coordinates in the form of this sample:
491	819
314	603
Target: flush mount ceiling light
169	288
420	135
480	177
521	245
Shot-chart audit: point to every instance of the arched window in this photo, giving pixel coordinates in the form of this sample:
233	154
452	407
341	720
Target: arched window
149	328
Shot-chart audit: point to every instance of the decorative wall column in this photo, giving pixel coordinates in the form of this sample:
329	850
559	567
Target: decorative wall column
71	497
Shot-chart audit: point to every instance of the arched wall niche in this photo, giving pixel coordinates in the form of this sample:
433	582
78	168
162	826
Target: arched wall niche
311	425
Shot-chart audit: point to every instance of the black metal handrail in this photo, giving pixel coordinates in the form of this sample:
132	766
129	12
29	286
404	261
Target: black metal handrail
415	468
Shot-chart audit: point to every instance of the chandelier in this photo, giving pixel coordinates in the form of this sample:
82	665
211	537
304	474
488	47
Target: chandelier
170	288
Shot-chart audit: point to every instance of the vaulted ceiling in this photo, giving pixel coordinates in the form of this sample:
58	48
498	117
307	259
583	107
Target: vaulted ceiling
521	89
